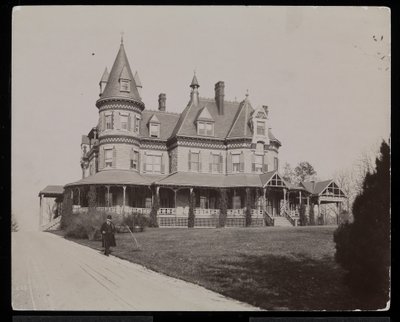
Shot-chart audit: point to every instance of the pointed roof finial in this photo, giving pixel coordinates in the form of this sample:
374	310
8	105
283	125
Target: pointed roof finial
247	93
122	37
195	83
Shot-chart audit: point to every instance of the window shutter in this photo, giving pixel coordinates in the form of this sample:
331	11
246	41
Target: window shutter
265	166
189	160
220	163
103	122
112	120
118	121
131	158
129	121
162	163
200	164
210	161
114	161
134	123
229	163
253	163
102	158
241	160
144	161
138	161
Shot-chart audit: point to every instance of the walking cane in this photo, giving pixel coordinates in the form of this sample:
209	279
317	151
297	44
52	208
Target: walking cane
136	243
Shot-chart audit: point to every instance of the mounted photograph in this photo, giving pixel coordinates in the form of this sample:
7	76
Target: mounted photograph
201	158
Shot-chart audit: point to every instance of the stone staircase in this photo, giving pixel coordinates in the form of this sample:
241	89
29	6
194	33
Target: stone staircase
281	222
52	225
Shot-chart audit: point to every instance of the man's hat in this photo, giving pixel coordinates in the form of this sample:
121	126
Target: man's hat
108	216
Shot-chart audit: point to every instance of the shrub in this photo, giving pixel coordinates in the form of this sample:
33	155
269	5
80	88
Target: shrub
303	216
154	209
136	220
223	206
311	214
363	246
66	212
192	204
85	225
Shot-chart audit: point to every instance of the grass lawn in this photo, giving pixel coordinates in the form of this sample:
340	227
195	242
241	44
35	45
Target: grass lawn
275	268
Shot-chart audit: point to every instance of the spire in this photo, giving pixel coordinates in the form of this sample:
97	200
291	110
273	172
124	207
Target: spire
194	95
195	82
121	71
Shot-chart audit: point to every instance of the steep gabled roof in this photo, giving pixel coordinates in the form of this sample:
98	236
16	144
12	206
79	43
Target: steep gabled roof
120	68
315	187
167	120
187	124
321	185
240	126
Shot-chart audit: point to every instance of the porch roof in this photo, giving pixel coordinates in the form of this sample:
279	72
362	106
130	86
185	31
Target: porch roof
120	177
193	179
211	180
52	191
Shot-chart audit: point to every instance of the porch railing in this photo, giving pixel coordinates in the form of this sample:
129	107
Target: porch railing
270	221
235	212
166	211
293	220
206	212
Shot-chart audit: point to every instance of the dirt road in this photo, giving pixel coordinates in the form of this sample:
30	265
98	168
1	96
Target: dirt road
51	273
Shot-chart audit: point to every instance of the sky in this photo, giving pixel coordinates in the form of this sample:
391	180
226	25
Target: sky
324	72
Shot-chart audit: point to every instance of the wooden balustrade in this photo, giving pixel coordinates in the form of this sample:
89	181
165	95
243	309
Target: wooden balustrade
270	221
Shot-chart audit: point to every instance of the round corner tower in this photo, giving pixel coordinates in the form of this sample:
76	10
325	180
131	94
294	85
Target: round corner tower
120	111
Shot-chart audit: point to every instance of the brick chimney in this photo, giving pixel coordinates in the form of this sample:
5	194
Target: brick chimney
162	98
219	96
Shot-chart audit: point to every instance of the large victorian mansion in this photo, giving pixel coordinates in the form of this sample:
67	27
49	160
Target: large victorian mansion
214	147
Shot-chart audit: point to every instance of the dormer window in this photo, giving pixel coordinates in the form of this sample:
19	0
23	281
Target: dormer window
125	85
205	128
260	128
154	130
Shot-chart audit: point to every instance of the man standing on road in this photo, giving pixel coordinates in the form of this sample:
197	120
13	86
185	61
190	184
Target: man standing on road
107	231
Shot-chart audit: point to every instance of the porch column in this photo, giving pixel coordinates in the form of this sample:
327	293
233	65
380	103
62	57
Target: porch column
79	196
319	209
175	191
40	212
123	198
108	196
264	200
284	198
300	201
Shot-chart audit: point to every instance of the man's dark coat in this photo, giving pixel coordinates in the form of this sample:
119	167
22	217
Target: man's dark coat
108	238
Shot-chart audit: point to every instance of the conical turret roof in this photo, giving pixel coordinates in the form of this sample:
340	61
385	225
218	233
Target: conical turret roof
120	69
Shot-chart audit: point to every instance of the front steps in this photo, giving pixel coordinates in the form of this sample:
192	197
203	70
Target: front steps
281	222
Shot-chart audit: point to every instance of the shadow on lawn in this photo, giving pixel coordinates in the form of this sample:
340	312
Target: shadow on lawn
282	282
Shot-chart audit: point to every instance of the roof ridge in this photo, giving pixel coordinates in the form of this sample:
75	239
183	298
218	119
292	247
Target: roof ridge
163	112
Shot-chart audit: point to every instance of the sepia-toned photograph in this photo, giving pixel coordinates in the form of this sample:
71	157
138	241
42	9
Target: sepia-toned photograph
201	158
